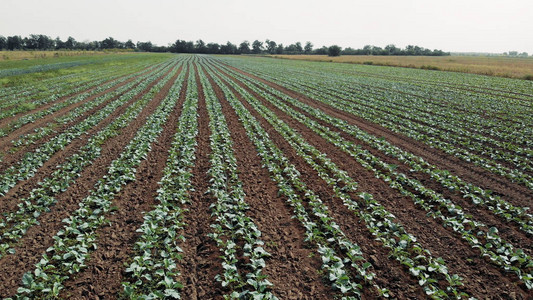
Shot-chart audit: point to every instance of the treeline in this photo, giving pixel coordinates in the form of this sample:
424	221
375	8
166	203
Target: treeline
44	42
393	50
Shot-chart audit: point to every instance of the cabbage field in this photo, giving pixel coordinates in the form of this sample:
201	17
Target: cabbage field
148	176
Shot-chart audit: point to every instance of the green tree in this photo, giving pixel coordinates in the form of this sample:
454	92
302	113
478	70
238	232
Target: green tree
244	47
3	42
200	47
145	46
391	49
308	47
229	48
213	48
129	44
71	43
257	47
321	51
271	46
14	42
298	47
279	49
109	43
334	50
59	43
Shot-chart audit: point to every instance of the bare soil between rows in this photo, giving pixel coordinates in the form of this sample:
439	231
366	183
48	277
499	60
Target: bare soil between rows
444	243
295	267
38	238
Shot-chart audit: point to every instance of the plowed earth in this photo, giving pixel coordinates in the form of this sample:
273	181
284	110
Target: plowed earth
294	267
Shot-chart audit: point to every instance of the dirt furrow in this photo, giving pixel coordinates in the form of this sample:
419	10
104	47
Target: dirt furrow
5	122
23	188
390	275
514	193
507	230
103	276
201	260
292	269
5	142
404	111
460	257
39	238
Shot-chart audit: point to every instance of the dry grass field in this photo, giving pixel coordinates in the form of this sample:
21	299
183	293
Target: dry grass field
510	67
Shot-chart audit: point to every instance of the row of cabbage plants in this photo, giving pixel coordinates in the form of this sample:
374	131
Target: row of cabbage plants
32	161
476	194
478	235
75	242
418	260
15	224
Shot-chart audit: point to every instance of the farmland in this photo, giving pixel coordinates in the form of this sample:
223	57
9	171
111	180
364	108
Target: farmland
212	177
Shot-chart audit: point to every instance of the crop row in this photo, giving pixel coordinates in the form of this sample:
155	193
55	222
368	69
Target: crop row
234	232
19	103
320	229
32	161
36	88
42	68
15	224
75	242
99	87
51	126
414	130
403	245
153	270
90	85
465	126
477	234
451	182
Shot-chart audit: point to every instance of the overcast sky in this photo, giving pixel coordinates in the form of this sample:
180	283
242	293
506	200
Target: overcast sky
450	25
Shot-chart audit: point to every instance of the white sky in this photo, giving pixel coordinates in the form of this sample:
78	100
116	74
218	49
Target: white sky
449	25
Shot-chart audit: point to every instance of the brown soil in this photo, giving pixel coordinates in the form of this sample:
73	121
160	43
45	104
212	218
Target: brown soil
39	238
509	231
103	275
514	193
201	260
401	113
292	266
5	142
461	258
295	266
391	275
23	188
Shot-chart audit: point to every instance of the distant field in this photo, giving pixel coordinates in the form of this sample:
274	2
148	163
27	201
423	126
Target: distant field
34	71
19	55
510	67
